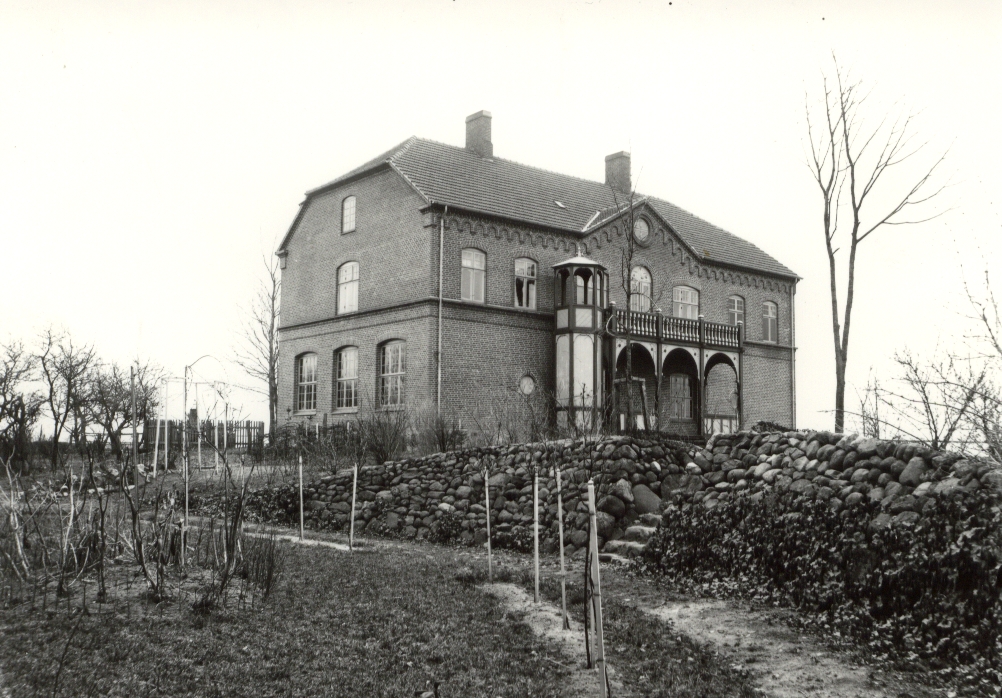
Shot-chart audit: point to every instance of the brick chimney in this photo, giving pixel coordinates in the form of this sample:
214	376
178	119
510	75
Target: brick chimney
617	171
478	134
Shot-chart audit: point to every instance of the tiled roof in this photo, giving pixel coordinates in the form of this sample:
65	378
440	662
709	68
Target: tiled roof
445	174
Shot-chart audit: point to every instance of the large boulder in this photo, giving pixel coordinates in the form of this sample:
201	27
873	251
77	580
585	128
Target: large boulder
913	472
645	501
623	491
604	524
613	505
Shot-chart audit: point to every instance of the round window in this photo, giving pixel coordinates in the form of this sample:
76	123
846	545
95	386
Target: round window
641	230
526	385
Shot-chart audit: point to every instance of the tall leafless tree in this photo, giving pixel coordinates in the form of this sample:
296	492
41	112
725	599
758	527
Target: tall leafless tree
19	406
64	368
626	209
848	159
109	400
258	353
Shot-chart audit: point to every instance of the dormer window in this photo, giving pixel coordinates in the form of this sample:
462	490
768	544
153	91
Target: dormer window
348	215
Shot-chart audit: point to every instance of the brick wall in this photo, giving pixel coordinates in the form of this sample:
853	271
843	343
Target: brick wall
766	384
390	243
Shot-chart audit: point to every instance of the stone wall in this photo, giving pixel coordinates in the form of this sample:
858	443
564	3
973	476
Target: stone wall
407	497
633	475
903	476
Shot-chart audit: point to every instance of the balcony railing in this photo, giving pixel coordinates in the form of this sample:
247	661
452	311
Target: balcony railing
674	329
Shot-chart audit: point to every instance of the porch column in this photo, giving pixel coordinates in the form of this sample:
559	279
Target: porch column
700	393
658	368
741	375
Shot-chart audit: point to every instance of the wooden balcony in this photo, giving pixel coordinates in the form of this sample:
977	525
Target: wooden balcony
656	326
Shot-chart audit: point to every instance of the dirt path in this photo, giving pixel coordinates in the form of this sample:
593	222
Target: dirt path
545	620
782	662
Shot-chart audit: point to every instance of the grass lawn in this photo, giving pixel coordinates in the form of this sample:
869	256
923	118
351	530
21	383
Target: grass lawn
381	623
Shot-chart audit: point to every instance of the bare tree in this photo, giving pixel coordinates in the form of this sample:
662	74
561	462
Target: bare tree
64	368
258	355
847	161
109	400
627	211
18	408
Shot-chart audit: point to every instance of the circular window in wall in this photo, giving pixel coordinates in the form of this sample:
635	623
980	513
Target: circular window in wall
527	384
641	230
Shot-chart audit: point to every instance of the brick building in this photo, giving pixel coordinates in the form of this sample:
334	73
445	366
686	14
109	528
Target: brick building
444	278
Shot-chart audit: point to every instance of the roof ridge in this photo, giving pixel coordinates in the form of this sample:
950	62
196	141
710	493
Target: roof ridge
516	162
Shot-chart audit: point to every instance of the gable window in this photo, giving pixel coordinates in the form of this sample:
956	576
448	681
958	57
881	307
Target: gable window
770	322
735	310
474	275
348	215
306	383
346	371
685	302
525	283
347	288
641	229
679	396
392	369
640	290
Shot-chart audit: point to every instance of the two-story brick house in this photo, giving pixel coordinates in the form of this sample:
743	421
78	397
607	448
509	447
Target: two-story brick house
442	277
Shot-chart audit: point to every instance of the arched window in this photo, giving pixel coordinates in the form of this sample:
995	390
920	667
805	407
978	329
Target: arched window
347	288
348	215
346	374
640	290
584	287
392	369
306	383
685	302
770	322
525	283
735	310
474	275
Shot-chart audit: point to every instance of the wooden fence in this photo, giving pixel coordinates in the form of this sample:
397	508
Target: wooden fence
246	436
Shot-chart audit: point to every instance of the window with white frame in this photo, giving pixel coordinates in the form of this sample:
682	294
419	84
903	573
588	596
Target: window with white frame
346	372
735	310
306	383
685	302
525	283
347	288
348	215
679	396
640	290
770	322
641	230
474	275
392	369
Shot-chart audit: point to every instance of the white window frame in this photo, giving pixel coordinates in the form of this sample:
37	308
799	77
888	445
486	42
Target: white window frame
735	311
349	207
306	382
347	288
527	275
770	322
647	226
392	373
685	302
640	289
474	275
346	379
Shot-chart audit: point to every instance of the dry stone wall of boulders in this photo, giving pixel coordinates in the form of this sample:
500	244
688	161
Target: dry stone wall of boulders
904	477
407	498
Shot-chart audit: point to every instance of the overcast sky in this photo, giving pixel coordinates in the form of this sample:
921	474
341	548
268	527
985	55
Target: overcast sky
151	153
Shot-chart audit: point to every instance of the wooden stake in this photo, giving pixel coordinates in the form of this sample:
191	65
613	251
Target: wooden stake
487	499
563	570
166	426
302	526
351	529
156	446
596	594
535	529
215	434
198	429
135	444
